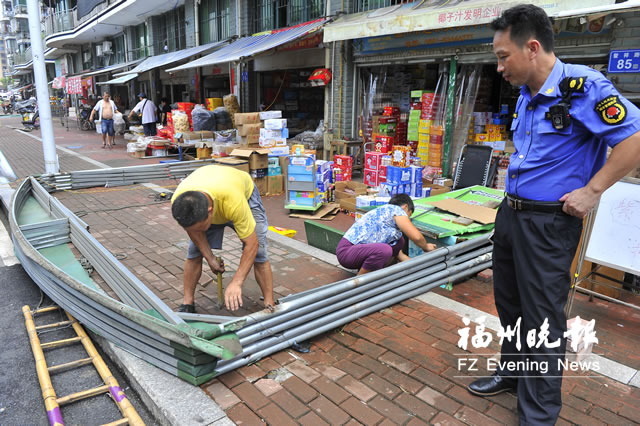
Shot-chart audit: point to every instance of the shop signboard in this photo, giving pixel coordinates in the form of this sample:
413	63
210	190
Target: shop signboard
437	14
74	85
624	61
446	37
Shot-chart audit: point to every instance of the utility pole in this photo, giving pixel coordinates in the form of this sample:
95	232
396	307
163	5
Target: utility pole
42	89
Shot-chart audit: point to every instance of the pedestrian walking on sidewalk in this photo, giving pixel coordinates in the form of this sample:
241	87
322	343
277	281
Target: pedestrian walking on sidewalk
376	238
106	109
208	200
566	118
148	111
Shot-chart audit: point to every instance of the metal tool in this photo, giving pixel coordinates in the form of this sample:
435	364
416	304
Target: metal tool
219	278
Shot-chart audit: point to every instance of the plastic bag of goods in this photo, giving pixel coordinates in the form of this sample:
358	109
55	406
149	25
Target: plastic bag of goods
223	118
203	119
228	136
180	121
136	146
118	123
99	127
130	137
231	104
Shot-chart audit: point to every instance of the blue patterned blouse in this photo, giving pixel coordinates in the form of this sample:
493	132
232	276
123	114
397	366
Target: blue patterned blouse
377	226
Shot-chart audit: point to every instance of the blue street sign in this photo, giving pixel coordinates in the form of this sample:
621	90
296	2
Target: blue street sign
245	76
624	60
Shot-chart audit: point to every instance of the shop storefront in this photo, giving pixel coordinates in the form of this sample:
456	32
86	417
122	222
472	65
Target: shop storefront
437	90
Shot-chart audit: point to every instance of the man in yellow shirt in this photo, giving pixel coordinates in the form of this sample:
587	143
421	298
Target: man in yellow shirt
206	201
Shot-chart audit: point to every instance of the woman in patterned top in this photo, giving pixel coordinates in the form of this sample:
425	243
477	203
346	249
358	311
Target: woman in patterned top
376	238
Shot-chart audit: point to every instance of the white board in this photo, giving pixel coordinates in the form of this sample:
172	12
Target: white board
615	236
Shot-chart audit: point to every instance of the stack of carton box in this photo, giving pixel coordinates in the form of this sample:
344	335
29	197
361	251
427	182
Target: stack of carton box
248	125
275	179
342	167
258	159
384	132
275	131
402	180
301	169
372	167
324	179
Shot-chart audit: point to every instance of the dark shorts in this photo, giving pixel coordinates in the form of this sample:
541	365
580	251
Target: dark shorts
149	129
216	232
107	127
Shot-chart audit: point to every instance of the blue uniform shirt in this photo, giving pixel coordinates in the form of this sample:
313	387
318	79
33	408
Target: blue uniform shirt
549	163
377	226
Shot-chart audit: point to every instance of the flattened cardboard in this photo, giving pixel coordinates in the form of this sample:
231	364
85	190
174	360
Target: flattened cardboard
479	214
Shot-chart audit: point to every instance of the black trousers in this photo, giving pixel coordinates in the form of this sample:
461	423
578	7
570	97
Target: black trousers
532	257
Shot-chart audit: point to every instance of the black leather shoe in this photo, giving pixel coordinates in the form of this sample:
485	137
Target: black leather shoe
494	385
190	309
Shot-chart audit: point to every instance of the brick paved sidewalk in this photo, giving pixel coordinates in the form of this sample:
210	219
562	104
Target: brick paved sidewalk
396	366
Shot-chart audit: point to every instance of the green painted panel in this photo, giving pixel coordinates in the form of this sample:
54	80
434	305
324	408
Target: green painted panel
322	236
32	212
63	258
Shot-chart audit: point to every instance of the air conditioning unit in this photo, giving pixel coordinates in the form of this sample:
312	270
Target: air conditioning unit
106	47
87	56
98	50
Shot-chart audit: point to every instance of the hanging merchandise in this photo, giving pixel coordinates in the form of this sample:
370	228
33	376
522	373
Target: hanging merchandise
434	110
466	94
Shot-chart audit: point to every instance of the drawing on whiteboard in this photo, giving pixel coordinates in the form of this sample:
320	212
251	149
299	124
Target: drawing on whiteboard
625	212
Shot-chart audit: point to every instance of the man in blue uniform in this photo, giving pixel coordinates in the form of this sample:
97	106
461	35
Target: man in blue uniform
566	118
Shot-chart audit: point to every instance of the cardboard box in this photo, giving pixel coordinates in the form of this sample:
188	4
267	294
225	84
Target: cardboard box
371	177
190	137
275	185
435	189
258	158
246	118
137	154
349	189
275	123
270	133
261	184
251	140
205	134
348	204
267	115
373	160
236	163
249	129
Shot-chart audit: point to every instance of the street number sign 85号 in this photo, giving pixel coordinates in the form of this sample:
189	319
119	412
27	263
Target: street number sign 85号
624	61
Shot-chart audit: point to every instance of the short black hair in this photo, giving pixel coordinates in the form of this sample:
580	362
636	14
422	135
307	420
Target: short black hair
401	200
189	208
165	100
524	22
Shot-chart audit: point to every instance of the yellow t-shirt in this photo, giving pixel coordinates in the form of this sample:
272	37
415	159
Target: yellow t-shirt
229	189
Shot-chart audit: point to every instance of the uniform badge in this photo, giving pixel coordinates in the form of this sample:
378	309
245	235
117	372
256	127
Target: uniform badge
611	110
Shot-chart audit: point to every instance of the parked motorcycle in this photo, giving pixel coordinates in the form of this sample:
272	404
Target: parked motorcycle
29	111
83	115
7	106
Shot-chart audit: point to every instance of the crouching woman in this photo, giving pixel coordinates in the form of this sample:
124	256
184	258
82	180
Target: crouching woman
375	240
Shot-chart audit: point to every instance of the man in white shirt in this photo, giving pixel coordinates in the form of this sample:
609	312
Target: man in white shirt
148	110
106	108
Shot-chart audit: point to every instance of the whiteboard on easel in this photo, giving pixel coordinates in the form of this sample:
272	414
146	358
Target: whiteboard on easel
615	235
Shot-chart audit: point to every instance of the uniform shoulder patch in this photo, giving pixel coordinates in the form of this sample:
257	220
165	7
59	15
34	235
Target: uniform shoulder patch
611	110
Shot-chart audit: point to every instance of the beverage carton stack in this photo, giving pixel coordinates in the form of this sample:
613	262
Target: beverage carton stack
301	170
489	128
266	129
402	180
342	168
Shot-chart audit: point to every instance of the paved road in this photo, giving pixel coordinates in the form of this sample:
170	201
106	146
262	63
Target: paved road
20	395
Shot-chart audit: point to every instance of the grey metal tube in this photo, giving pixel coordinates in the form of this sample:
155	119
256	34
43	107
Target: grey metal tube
286	340
271	325
310	325
443	251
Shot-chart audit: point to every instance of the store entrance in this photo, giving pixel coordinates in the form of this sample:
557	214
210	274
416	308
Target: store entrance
290	91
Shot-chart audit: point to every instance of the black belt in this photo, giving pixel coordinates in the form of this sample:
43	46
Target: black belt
518	203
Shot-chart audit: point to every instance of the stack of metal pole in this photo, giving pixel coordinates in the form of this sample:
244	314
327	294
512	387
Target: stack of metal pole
305	315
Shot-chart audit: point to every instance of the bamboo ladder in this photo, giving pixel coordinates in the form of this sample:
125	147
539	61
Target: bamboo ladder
51	401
